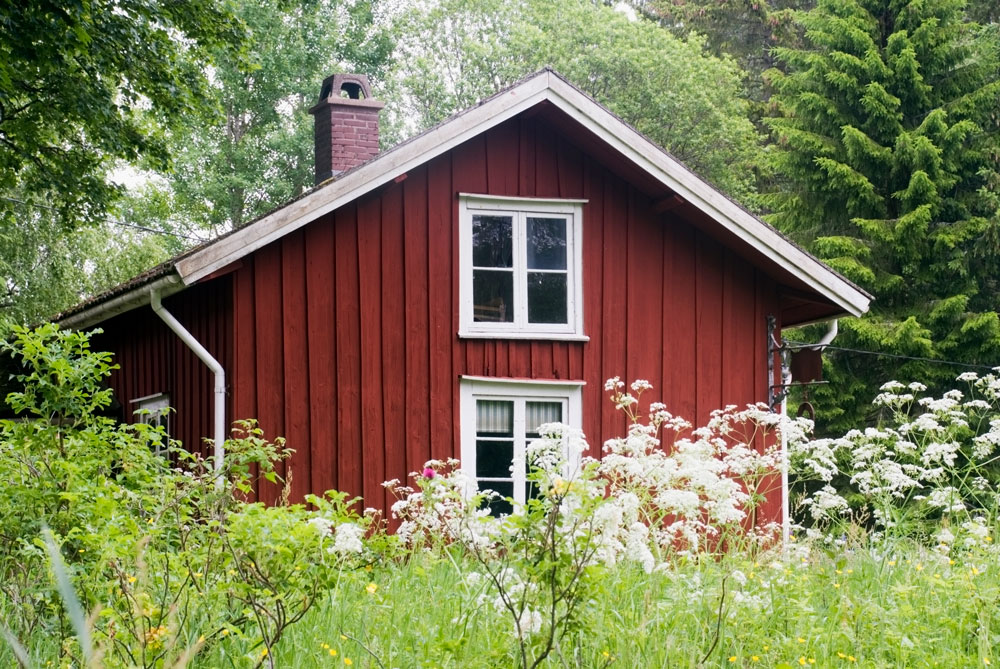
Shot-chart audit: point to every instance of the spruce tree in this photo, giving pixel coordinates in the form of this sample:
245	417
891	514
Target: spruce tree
885	126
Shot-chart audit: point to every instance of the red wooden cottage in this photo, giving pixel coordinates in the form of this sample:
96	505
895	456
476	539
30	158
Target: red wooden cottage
446	296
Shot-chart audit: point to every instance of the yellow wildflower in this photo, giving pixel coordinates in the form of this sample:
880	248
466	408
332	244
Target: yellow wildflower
802	660
732	658
347	661
333	652
371	588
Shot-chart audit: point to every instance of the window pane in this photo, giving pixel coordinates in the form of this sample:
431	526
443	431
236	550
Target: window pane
492	244
493	458
494	418
546	243
546	298
506	489
537	413
493	296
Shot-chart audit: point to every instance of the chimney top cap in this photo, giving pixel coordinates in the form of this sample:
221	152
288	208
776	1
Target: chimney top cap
345	86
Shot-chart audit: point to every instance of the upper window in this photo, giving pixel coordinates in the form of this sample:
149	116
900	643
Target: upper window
499	419
520	267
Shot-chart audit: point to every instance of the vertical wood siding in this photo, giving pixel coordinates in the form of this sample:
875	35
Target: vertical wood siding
152	359
345	331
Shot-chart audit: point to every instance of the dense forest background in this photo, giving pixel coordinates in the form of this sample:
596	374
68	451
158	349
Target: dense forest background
867	130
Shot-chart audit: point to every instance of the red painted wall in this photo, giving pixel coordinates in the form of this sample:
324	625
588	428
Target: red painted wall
345	331
152	359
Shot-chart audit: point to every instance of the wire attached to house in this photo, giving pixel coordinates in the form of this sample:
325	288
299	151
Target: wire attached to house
896	356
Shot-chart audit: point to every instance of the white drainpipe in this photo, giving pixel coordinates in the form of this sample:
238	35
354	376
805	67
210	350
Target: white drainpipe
220	379
786	378
786	518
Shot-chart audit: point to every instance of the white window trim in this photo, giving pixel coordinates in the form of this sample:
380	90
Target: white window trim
156	411
470	203
473	388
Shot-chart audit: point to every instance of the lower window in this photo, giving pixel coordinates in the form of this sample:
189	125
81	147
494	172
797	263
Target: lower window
499	419
153	410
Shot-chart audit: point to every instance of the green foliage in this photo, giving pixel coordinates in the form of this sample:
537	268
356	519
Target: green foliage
164	558
257	153
747	30
457	52
48	268
887	133
82	83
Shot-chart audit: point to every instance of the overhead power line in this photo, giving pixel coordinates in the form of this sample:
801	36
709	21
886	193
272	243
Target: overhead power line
112	221
882	354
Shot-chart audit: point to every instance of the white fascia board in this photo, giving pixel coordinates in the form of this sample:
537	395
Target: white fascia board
366	178
133	299
691	188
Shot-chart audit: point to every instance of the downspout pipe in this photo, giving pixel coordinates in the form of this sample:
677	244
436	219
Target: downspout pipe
831	332
219	422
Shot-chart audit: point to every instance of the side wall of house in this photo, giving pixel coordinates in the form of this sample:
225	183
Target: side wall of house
345	331
152	359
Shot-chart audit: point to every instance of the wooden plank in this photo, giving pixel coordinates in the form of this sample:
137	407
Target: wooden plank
415	294
546	161
644	282
394	279
614	307
679	321
270	353
347	305
593	299
442	301
502	144
526	158
708	368
370	293
739	346
570	166
295	345
321	336
243	375
469	175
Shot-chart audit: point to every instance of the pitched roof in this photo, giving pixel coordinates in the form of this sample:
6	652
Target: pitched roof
543	87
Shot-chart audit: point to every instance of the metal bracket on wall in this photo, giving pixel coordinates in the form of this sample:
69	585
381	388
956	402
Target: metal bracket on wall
777	392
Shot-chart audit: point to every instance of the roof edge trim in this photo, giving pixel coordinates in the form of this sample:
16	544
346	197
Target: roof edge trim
133	299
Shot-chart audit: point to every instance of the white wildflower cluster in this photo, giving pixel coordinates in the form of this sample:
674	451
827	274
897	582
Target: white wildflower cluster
439	510
689	491
932	457
826	503
347	537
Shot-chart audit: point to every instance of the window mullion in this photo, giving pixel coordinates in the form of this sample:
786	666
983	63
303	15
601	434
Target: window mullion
519	451
521	270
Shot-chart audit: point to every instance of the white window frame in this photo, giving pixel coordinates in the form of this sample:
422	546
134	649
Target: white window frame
519	391
153	410
519	208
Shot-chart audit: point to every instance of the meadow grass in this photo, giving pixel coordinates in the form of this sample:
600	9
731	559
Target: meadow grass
910	607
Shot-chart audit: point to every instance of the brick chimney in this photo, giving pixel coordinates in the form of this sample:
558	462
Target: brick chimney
346	117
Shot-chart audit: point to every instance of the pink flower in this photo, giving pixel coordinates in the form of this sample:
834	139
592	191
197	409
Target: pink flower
429	473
